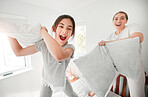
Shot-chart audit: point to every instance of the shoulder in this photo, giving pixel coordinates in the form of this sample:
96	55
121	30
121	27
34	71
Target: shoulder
39	44
134	28
133	25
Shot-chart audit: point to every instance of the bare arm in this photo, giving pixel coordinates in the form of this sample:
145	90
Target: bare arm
136	34
18	50
54	47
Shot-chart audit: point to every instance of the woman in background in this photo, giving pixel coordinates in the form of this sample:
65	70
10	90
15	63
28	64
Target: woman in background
124	32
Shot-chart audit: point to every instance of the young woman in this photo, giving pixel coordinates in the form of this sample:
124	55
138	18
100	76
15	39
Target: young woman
56	54
124	32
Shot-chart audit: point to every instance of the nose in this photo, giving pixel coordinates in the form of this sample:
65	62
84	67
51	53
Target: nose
118	20
65	31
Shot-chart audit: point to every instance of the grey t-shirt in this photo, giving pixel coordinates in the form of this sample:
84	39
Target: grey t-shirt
53	71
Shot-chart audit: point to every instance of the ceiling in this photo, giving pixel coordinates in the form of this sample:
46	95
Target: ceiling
60	5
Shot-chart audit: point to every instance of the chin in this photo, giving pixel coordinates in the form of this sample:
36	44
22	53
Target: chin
62	43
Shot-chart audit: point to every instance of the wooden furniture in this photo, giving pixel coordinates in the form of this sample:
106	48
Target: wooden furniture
146	85
123	94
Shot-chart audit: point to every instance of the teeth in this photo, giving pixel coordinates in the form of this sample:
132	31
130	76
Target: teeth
118	24
63	36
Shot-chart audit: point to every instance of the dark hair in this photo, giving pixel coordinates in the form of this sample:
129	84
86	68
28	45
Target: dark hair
123	13
63	17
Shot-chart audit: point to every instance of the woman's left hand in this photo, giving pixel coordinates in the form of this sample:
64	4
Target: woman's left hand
102	43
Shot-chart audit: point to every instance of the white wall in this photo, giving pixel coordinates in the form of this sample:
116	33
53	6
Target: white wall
26	84
98	16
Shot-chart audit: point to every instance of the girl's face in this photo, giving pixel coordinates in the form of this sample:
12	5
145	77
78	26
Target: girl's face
63	31
119	21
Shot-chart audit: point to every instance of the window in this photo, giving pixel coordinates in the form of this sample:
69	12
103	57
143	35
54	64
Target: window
80	40
10	64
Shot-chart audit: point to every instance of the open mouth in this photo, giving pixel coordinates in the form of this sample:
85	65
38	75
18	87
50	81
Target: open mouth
118	24
62	37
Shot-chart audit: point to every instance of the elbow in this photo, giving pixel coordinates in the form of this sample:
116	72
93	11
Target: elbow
141	39
18	54
59	58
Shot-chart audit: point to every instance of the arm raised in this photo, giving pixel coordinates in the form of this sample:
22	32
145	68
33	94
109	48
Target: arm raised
18	50
54	47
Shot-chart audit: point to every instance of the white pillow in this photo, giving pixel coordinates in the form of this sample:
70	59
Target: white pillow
19	29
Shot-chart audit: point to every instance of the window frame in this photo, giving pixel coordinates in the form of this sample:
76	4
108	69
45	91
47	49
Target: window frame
27	59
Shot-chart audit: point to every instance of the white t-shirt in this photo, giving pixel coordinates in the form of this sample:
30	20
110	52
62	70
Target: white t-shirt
128	30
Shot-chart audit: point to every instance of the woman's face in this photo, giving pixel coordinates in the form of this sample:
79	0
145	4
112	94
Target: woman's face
119	21
63	31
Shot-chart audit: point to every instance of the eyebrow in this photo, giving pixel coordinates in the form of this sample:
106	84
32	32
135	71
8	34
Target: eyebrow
63	24
122	16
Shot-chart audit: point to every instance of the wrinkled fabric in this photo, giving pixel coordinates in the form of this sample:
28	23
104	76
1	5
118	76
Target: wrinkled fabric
25	33
99	65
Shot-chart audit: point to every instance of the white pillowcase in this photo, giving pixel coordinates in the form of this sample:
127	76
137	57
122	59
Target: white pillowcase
26	34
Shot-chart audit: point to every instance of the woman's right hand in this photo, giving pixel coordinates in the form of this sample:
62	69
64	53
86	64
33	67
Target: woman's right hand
102	43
